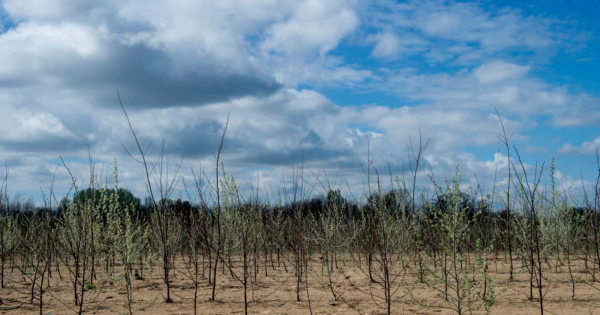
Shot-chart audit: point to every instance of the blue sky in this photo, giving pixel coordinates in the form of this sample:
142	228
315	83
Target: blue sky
300	79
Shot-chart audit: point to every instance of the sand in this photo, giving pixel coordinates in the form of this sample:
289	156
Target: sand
275	293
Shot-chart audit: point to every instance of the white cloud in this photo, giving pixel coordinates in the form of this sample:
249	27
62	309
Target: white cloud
46	9
38	52
494	85
576	110
27	126
587	147
390	45
440	26
387	45
499	71
324	73
314	27
181	66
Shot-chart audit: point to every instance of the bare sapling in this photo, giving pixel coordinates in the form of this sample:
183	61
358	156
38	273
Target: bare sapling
8	236
387	232
332	232
298	223
241	221
219	242
566	223
416	157
36	244
161	215
509	238
531	205
197	242
75	239
592	205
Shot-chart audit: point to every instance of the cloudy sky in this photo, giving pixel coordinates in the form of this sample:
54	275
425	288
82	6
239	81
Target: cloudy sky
324	82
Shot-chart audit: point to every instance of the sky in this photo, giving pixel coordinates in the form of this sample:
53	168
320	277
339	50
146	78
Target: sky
324	84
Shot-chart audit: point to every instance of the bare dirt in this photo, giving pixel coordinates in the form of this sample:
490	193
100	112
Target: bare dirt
275	293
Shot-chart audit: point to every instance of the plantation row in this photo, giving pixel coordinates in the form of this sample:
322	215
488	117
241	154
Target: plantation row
445	240
400	237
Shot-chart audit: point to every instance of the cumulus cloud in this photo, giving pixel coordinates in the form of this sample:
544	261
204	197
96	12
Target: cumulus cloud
276	68
24	130
587	147
314	27
46	9
494	85
577	110
499	71
159	62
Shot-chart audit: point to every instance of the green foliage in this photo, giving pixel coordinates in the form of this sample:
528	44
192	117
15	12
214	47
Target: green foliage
461	278
125	235
444	239
124	197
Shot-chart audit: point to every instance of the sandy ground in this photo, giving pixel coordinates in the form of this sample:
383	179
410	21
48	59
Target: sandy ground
276	293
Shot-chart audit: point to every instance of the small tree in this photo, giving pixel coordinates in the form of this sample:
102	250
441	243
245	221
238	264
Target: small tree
462	281
125	233
76	243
